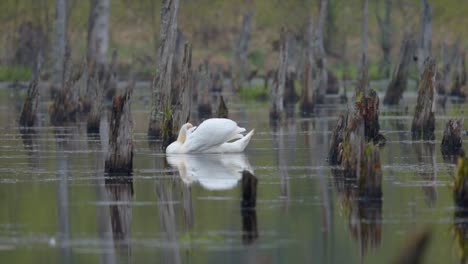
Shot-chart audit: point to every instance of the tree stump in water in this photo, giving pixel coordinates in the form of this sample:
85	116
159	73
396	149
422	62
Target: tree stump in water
399	81
161	113
424	120
452	139
223	111
368	108
277	93
120	156
28	116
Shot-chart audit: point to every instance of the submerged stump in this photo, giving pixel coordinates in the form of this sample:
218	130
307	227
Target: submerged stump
423	124
452	139
120	154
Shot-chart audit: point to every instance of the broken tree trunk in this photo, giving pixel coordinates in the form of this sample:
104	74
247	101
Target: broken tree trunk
161	112
385	39
425	35
120	153
241	51
307	101
60	44
182	106
248	212
223	111
399	81
452	139
96	92
28	116
277	93
424	120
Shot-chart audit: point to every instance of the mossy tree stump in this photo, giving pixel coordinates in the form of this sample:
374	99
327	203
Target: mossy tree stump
452	139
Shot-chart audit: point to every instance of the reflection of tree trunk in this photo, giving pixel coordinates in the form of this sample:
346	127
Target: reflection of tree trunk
282	161
167	220
62	198
248	211
426	155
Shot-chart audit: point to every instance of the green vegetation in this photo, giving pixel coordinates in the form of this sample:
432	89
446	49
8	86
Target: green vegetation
15	73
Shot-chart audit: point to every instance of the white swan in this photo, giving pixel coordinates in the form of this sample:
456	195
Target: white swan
212	171
214	135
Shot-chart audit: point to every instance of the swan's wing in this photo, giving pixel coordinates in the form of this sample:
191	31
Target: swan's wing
211	133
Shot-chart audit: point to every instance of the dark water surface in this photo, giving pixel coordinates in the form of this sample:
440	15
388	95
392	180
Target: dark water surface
57	206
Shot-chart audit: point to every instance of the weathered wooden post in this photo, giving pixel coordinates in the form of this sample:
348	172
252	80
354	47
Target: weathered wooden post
424	120
452	139
160	123
277	93
399	80
120	153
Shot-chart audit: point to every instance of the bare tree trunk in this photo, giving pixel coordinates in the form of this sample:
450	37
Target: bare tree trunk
161	113
385	39
307	101
277	93
241	51
443	76
425	35
98	32
424	120
398	84
319	53
459	75
120	155
363	78
182	107
60	43
204	82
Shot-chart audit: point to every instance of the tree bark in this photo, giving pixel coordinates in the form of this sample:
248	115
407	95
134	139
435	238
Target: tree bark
459	76
223	111
277	93
319	53
241	52
181	108
363	79
424	120
385	39
98	32
60	43
161	113
425	35
120	154
307	101
204	82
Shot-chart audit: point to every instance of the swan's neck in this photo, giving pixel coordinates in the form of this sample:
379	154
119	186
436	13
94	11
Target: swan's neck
182	136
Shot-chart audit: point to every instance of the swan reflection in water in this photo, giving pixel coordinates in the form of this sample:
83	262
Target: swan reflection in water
212	171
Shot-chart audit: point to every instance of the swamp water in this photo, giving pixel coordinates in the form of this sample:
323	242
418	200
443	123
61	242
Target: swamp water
57	206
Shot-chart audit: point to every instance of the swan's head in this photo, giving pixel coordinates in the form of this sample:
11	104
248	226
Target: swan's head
183	132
